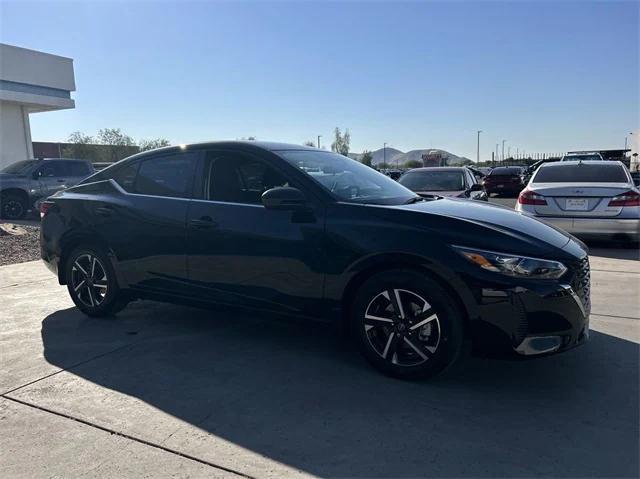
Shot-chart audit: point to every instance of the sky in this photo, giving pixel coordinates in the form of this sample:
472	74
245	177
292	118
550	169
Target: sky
545	76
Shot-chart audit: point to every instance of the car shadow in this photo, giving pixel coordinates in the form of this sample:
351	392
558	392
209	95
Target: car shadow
297	394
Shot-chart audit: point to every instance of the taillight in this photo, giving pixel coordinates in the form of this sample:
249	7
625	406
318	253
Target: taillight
45	206
528	197
630	198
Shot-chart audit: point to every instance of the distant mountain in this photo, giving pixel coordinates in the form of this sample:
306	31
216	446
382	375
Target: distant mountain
397	157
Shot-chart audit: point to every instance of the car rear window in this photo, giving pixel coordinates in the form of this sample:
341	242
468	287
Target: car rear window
505	171
581	173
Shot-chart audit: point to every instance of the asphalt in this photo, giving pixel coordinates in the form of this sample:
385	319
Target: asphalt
172	391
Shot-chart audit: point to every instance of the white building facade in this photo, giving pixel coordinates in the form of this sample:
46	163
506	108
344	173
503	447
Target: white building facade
30	82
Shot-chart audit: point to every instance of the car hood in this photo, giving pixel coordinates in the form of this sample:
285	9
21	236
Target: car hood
496	217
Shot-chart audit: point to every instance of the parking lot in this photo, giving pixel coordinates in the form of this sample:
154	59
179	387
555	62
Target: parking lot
173	391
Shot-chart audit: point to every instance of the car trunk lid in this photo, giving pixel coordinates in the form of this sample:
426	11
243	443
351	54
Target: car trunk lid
579	199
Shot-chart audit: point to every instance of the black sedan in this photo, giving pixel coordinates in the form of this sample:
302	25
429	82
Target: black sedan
456	182
313	234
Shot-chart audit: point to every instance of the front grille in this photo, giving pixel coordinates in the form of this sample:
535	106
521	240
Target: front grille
582	283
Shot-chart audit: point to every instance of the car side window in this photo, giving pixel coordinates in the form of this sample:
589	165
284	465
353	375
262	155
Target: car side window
125	176
236	178
170	175
79	168
53	169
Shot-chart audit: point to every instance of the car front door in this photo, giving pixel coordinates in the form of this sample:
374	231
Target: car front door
240	252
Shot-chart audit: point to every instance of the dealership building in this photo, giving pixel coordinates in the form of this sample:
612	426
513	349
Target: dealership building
30	82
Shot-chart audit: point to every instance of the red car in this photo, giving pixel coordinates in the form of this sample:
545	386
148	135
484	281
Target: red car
504	179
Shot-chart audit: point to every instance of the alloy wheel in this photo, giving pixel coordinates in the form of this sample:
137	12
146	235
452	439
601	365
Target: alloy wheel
402	327
89	280
12	209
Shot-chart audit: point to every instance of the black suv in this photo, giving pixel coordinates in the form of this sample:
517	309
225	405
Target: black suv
23	183
310	233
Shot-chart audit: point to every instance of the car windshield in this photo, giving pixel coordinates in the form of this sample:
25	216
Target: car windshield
593	157
19	168
581	173
348	179
433	180
505	171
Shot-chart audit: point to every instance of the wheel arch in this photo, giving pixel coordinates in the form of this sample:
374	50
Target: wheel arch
17	191
452	284
87	238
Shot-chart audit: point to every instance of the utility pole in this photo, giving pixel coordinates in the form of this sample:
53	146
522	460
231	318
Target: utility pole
478	149
319	136
497	157
503	150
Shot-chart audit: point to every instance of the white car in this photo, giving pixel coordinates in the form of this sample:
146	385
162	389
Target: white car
590	199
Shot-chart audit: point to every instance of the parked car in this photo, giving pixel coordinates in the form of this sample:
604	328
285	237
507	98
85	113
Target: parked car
477	172
23	183
591	199
443	181
583	156
311	233
504	180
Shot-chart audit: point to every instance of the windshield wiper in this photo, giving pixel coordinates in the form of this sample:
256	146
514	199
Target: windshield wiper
415	199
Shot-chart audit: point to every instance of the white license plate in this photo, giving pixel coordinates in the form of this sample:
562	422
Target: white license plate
576	204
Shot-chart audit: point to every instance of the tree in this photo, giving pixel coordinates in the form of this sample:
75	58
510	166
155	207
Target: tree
412	164
366	158
81	147
118	143
342	142
145	145
309	143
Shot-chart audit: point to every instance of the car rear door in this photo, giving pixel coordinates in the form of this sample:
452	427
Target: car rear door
144	222
240	252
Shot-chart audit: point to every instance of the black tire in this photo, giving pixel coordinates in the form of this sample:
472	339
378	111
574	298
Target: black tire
92	285
417	338
13	206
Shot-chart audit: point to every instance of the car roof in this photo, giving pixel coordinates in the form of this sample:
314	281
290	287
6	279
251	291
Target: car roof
240	145
563	164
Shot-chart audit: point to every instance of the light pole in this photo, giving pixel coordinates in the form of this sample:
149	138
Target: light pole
503	141
478	148
497	157
384	154
319	136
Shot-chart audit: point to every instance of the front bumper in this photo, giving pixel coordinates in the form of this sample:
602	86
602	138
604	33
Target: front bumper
596	227
540	318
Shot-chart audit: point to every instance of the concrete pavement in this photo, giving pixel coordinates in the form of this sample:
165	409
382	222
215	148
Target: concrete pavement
170	391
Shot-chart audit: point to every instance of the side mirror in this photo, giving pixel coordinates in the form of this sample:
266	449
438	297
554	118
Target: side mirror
476	187
284	198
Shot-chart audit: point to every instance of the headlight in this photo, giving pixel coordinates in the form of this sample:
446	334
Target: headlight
511	265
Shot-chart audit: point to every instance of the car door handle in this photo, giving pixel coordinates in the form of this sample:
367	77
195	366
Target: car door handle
203	222
61	181
104	211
